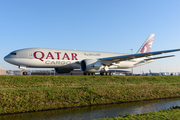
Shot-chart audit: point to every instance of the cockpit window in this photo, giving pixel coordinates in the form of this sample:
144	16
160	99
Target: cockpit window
13	53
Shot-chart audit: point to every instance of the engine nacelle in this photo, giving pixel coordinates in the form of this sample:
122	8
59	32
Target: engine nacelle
63	70
91	65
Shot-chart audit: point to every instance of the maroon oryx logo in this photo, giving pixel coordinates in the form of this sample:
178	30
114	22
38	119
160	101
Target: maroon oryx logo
147	46
93	65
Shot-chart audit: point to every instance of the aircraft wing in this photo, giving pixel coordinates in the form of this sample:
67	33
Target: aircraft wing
139	55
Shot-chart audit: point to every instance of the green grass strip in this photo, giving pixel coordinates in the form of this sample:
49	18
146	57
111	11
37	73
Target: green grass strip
170	114
33	93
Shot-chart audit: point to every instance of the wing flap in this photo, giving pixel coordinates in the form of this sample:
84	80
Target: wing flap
160	57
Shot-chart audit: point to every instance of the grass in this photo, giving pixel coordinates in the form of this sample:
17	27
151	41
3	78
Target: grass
170	114
33	93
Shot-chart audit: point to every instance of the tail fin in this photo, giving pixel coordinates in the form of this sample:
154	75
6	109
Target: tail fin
150	71
146	47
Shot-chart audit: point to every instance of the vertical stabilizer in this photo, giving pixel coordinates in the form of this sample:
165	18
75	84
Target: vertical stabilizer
146	47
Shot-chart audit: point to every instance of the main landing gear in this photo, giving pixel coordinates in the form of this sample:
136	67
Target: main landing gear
106	73
101	73
88	73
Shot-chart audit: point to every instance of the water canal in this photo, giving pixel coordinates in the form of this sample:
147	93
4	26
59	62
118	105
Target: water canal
96	112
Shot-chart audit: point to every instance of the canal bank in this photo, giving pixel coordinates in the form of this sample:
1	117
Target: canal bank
96	112
35	93
170	114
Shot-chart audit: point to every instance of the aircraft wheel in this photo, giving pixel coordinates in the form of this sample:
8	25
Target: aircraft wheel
101	73
104	73
84	73
107	73
92	73
24	73
110	73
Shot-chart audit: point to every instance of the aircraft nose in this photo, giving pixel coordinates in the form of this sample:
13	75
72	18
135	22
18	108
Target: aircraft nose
6	58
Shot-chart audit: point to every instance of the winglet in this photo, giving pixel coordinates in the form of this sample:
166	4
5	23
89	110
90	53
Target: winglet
146	47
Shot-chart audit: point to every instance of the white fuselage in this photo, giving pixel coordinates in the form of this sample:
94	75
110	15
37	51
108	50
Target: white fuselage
55	58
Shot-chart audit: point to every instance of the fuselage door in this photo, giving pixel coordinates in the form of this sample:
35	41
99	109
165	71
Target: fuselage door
30	56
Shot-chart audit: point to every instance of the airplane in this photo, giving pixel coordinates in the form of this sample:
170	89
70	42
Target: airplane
150	73
153	74
145	73
89	62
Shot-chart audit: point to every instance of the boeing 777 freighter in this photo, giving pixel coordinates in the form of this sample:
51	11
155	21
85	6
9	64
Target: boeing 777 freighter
65	61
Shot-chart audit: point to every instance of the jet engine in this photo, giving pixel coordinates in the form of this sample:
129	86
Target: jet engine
91	65
63	70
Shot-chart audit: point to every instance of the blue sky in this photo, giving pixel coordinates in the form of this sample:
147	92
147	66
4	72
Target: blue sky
93	25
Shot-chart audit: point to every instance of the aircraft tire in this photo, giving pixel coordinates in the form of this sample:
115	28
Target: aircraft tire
110	73
107	73
24	73
92	73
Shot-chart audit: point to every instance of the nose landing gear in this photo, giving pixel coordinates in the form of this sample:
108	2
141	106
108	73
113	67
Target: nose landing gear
23	70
